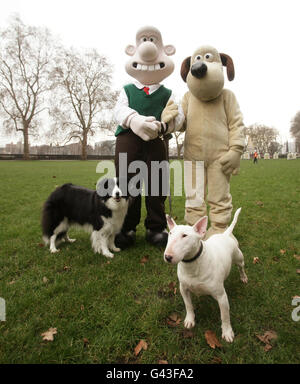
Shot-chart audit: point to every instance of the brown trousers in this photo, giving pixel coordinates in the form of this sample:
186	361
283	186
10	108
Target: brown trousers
147	151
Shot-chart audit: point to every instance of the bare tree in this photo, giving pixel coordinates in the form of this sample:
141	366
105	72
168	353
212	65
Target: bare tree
295	130
262	137
83	95
25	61
179	138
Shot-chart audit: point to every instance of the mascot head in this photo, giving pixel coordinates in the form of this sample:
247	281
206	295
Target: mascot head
203	72
149	61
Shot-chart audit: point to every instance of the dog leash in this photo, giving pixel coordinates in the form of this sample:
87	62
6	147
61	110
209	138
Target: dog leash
165	138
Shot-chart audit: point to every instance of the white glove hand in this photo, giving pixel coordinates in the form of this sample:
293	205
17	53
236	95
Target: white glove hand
230	162
146	127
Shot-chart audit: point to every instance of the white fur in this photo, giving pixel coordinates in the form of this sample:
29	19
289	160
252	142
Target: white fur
205	275
62	227
103	241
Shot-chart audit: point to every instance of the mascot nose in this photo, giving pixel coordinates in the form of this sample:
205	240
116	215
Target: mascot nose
148	51
199	70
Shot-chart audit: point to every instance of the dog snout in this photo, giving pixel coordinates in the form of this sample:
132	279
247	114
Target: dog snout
117	194
169	258
199	70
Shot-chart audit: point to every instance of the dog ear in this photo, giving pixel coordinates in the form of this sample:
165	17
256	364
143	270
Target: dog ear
185	68
171	223
228	63
200	226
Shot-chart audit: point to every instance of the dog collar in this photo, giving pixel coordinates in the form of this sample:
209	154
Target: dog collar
196	256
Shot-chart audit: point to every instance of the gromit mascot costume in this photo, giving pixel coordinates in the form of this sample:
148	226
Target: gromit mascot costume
143	111
213	134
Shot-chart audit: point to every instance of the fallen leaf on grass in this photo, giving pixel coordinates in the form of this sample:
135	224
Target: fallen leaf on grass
298	271
141	345
85	342
41	245
53	177
173	320
66	268
216	360
49	335
187	334
266	338
256	260
144	260
11	282
260	203
172	287
267	347
212	339
82	307
283	251
297	257
162	362
45	280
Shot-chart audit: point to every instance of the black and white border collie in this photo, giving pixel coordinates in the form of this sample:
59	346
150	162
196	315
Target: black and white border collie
101	212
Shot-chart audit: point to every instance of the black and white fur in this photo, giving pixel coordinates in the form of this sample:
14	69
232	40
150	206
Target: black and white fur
101	214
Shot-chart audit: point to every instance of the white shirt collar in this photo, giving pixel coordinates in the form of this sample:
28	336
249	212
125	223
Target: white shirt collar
152	87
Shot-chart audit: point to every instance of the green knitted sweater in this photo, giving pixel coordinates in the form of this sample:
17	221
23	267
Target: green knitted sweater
146	105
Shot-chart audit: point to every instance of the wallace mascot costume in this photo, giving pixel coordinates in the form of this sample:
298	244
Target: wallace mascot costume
146	113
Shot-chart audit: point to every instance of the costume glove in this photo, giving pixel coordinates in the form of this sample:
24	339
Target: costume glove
230	162
146	127
170	112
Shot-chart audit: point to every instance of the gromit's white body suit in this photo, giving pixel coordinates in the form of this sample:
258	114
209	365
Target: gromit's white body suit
213	134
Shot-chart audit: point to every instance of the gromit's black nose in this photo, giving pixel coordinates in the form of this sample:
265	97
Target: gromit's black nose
199	70
117	194
168	258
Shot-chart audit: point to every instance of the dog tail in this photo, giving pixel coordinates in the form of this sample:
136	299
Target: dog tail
229	230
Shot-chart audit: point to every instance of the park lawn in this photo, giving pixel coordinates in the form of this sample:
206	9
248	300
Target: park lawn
102	309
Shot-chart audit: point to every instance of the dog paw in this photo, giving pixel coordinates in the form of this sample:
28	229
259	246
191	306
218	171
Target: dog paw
244	279
228	335
108	254
189	322
115	249
54	250
71	240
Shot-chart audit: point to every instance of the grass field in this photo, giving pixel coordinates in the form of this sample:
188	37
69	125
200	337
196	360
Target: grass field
103	309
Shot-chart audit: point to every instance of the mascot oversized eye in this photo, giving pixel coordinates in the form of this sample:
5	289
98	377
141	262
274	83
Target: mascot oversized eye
198	57
208	56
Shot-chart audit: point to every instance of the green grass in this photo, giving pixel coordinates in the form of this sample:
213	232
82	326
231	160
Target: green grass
115	305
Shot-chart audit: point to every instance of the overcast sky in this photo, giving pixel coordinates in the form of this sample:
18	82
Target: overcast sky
262	37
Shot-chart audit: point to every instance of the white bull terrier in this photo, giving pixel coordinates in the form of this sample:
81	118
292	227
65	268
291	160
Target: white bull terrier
203	266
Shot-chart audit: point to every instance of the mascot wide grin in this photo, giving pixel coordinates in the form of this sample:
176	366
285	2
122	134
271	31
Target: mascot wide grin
145	112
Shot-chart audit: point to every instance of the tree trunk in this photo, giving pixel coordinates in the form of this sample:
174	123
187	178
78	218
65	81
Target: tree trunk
26	142
178	151
83	146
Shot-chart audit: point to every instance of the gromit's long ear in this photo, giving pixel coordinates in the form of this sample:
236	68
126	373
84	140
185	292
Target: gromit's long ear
228	63
185	67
